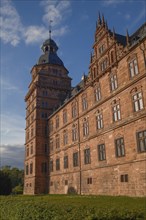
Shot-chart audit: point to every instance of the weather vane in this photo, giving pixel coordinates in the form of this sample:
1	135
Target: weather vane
50	27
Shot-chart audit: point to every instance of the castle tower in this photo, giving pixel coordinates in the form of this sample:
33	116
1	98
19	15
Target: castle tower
49	86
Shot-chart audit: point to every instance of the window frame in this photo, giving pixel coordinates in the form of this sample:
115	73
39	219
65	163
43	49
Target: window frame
138	101
65	137
66	162
87	156
74	133
85	127
143	138
133	67
84	103
97	93
116	112
57	121
99	121
120	147
57	164
64	116
101	152
75	159
113	81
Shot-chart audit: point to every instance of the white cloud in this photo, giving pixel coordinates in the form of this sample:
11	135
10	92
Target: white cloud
55	11
5	85
10	24
34	34
112	2
12	129
13	31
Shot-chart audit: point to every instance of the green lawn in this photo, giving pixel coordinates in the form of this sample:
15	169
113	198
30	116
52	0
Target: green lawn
67	207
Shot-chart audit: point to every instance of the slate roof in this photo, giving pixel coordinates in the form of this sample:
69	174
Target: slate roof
50	54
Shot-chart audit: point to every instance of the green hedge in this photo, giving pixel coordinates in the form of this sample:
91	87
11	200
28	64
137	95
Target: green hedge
71	208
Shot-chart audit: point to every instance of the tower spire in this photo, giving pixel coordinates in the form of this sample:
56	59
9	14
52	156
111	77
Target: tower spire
103	21
50	29
99	19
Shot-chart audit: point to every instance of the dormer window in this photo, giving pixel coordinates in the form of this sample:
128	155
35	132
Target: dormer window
46	48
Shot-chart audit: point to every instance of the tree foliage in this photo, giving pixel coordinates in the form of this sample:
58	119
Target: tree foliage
5	184
16	178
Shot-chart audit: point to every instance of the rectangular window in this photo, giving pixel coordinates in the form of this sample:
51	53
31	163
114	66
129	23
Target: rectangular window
113	82
119	147
74	110
101	152
31	149
66	182
87	159
44	167
57	164
141	141
57	142
74	133
75	159
138	102
116	113
51	126
26	170
51	165
51	183
89	180
57	122
124	178
65	162
97	93
31	168
51	145
65	138
99	121
85	128
84	103
64	116
133	68
103	65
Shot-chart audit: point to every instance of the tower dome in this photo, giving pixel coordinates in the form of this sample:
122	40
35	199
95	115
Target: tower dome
50	56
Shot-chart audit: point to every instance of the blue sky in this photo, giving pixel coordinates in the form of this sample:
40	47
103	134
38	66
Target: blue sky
24	26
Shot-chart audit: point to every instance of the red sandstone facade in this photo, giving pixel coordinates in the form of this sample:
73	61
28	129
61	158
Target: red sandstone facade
94	142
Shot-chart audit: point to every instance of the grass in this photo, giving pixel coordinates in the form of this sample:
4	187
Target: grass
67	207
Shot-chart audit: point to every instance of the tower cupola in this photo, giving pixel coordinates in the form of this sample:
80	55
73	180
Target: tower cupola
50	56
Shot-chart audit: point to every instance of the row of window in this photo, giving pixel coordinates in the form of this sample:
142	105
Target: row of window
101	149
116	112
89	180
137	100
132	65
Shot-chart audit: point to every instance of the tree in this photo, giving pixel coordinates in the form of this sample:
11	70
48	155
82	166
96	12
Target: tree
5	184
16	176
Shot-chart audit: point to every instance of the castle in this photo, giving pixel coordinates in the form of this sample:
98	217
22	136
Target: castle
90	139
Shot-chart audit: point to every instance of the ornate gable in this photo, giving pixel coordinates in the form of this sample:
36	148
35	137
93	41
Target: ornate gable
108	48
